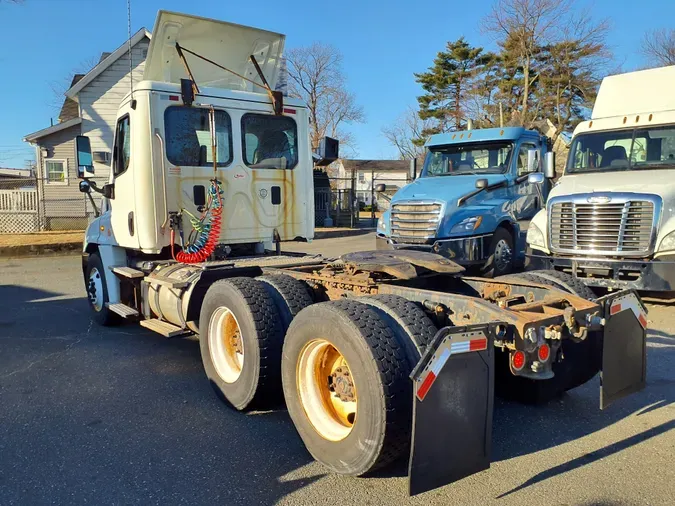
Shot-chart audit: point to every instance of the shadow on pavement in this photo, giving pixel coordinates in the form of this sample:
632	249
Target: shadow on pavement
124	414
120	414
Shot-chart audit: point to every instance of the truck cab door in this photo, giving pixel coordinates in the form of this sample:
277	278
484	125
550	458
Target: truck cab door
123	204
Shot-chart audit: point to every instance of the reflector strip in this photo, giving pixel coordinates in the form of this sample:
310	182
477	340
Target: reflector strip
629	302
289	111
455	348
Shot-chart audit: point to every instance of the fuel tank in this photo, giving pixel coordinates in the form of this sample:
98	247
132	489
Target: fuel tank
169	295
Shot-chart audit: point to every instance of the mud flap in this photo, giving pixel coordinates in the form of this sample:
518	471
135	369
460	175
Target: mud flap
453	394
624	347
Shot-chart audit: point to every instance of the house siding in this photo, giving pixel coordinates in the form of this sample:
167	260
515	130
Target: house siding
61	206
100	99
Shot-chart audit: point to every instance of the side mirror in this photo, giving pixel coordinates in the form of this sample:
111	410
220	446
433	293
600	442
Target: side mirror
85	163
549	165
85	187
535	178
327	152
481	184
380	187
532	160
108	191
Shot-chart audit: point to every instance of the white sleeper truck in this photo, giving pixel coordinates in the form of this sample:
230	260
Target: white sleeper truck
610	219
211	169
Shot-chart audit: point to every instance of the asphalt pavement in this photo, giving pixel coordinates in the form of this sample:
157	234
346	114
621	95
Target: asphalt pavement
92	415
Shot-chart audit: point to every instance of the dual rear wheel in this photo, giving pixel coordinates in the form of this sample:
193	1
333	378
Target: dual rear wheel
342	366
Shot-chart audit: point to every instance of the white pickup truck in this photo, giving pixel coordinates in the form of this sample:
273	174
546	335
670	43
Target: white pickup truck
610	220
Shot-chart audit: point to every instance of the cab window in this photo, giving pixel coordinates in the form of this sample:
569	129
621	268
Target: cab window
122	151
188	137
522	159
269	142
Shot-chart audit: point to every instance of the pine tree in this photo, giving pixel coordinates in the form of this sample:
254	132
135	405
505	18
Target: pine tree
448	83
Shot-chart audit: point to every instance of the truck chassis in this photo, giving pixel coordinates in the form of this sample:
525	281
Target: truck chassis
302	325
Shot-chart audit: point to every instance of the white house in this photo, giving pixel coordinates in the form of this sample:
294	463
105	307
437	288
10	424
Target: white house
90	109
363	175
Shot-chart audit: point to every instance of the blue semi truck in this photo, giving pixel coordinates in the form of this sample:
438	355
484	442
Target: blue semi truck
477	191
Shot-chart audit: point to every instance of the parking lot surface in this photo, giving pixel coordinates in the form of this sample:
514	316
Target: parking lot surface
92	415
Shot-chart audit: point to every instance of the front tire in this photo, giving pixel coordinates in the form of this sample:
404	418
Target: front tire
240	338
501	258
345	383
97	292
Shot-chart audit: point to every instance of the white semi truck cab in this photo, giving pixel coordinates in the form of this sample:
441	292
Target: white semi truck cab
610	219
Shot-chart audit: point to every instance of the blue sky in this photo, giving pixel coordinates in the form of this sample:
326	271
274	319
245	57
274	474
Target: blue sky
383	42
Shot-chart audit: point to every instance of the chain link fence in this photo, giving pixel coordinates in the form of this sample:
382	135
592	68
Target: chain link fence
29	205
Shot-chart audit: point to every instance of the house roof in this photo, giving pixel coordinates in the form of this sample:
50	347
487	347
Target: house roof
106	62
376	165
52	129
14	173
70	109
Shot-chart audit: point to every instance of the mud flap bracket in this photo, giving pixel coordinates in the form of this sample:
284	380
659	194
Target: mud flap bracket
453	396
624	346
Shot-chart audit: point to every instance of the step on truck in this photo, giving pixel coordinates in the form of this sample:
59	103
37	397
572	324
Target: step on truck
472	200
610	219
368	351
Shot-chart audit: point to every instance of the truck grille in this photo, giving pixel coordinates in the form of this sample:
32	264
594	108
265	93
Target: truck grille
618	227
415	222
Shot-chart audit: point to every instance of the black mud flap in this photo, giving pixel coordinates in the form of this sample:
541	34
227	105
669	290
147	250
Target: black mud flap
624	347
453	396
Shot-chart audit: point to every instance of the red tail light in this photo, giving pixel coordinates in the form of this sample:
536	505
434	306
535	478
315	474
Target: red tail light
518	360
544	352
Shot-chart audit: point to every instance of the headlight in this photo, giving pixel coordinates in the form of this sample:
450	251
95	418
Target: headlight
467	225
381	225
668	242
535	236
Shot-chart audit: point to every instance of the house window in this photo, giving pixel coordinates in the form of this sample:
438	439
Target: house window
56	171
362	177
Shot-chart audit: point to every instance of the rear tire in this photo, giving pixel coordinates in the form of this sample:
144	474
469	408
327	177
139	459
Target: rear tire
289	294
379	431
582	360
564	281
501	259
240	337
97	292
412	327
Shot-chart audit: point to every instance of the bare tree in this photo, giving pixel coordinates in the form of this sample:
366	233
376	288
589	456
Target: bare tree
572	69
407	134
59	87
659	47
522	27
316	76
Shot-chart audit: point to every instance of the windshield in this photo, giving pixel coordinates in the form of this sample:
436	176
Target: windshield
461	159
634	149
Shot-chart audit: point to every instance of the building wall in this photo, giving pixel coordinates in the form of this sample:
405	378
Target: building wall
100	99
55	199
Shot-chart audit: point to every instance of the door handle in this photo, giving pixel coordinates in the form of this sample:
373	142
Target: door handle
166	198
130	223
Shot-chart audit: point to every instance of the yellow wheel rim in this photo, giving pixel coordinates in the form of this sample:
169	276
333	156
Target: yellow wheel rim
327	389
226	346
